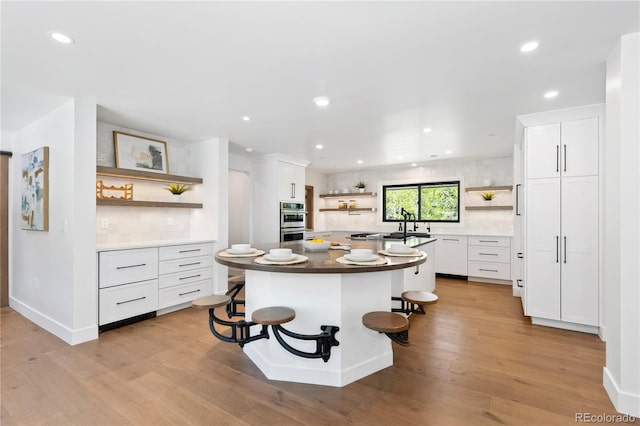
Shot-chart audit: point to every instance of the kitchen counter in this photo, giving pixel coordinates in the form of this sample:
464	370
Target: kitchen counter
325	293
324	262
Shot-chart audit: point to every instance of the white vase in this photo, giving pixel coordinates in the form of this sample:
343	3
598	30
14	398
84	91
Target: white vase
487	202
176	198
361	190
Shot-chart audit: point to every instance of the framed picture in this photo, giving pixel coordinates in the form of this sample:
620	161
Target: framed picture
35	190
140	153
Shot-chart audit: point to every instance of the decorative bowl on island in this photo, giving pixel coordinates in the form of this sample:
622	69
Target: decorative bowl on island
316	245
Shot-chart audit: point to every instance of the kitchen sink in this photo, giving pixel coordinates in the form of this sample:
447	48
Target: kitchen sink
400	235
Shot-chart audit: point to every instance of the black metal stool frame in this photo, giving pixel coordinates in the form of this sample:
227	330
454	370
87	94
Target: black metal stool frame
408	307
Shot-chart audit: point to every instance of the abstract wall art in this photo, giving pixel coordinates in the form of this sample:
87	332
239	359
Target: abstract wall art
140	153
35	190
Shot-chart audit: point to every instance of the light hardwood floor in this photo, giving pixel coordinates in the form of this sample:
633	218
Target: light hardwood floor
474	359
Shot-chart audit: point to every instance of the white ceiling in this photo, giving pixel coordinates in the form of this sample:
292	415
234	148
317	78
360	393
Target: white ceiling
191	70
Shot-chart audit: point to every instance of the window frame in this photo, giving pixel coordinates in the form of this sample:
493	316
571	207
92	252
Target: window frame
419	186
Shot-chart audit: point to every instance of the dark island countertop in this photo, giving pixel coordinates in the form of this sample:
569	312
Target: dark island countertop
324	262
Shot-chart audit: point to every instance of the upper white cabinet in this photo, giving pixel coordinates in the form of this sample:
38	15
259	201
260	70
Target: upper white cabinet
563	149
291	181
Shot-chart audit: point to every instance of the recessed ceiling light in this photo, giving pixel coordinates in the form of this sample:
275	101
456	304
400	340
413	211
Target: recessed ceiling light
413	164
321	101
61	38
319	146
359	161
249	149
551	94
246	118
529	46
448	151
426	130
399	157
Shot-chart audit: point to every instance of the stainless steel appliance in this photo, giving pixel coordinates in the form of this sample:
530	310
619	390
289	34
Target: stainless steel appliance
292	220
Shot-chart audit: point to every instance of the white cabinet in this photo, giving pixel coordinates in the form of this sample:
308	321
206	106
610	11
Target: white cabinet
451	255
561	221
186	273
563	149
139	281
291	180
128	283
489	258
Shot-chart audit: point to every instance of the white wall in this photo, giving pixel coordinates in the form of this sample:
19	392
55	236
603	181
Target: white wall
469	172
134	224
622	226
52	280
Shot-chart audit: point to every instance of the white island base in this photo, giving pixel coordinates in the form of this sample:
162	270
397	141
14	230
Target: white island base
322	299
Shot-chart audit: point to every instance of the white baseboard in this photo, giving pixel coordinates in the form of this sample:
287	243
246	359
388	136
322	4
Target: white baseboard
565	325
624	402
72	337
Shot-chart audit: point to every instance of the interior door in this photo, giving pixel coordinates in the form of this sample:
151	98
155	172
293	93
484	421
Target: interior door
4	227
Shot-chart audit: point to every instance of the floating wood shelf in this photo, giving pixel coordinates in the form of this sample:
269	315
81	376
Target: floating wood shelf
129	203
358	209
489	208
488	188
142	175
349	194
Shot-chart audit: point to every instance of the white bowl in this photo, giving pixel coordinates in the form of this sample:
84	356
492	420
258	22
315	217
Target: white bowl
241	248
400	248
311	246
361	253
281	253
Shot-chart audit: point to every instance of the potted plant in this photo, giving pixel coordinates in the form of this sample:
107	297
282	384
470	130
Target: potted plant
177	189
361	186
488	196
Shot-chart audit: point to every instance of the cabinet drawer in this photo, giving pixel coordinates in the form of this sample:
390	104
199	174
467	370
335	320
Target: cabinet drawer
490	241
125	301
188	264
185	250
490	254
176	295
127	266
498	271
185	277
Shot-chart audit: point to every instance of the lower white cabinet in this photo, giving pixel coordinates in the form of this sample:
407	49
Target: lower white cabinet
128	300
138	281
451	254
489	258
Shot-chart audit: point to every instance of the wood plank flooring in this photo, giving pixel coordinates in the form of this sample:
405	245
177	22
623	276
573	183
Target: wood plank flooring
474	359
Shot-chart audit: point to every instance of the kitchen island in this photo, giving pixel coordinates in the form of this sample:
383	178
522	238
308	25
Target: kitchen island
325	292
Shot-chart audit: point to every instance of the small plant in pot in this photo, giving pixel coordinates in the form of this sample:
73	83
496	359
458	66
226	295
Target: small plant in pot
177	189
361	186
488	196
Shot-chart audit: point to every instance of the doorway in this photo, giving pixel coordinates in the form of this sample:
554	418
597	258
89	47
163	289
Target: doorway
308	205
4	227
239	207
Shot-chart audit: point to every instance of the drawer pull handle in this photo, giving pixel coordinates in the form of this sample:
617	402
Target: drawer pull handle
519	283
188	292
489	270
488	241
191	276
488	254
189	251
132	300
520	256
131	266
189	264
449	239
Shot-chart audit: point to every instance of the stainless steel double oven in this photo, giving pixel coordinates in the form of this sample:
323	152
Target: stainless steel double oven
292	221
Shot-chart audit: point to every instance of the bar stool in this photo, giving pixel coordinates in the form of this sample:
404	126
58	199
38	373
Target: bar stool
395	326
419	299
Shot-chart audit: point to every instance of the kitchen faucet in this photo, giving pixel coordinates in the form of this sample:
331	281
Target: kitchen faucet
407	215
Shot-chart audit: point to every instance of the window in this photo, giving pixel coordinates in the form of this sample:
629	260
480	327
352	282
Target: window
431	202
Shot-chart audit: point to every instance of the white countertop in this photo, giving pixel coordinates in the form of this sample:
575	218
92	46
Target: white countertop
145	244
